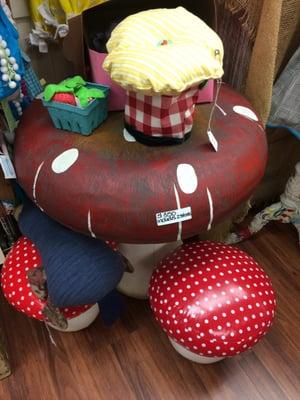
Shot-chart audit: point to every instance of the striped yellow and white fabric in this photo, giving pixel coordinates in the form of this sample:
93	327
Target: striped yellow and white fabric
163	51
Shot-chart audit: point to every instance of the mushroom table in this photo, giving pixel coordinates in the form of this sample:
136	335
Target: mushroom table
109	186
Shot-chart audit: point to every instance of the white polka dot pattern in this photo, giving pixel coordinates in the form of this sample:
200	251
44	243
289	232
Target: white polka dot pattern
16	288
212	298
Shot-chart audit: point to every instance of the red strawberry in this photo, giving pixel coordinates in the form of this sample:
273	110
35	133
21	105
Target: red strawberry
67	98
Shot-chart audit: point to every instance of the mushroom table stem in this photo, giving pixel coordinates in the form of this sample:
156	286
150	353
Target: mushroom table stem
143	258
189	355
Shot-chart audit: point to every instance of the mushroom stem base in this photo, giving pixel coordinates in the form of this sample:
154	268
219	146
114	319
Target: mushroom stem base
193	356
80	322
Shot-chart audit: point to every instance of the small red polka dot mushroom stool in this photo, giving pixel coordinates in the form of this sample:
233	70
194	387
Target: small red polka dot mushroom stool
24	286
212	300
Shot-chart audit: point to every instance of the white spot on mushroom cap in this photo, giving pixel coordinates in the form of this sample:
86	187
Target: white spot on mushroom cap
246	112
211	209
35	181
90	225
128	137
187	178
64	161
178	207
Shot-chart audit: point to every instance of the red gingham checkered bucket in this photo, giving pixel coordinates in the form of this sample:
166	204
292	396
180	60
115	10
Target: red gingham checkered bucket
169	117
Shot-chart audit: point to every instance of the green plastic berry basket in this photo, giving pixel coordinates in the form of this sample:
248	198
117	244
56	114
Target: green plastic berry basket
77	119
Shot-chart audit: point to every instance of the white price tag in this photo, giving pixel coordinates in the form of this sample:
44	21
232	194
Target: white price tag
173	216
7	167
212	140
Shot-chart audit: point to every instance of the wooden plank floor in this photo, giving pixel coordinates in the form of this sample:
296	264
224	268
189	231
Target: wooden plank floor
134	360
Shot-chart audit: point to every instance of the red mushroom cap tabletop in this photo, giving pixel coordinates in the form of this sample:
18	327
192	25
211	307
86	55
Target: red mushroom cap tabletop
211	298
107	185
23	257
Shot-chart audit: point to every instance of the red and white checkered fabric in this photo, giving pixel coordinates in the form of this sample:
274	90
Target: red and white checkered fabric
169	116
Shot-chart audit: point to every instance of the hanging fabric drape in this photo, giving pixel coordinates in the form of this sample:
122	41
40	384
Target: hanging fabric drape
259	37
49	22
75	7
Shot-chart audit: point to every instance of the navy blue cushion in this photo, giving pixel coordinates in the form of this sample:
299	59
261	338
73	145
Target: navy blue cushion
80	269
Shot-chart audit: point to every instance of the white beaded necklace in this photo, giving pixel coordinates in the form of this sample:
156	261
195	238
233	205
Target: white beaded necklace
8	66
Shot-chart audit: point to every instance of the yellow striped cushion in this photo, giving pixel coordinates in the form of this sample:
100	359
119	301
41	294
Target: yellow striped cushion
138	61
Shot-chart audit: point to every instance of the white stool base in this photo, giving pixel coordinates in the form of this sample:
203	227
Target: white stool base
81	322
193	356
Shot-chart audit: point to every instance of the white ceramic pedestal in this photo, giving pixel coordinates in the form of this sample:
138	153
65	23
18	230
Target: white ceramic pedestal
143	258
193	356
80	322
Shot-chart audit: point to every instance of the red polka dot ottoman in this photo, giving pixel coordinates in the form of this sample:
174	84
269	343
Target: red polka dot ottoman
24	286
212	300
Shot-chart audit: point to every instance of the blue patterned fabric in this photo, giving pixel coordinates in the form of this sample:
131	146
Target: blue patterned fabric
32	82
